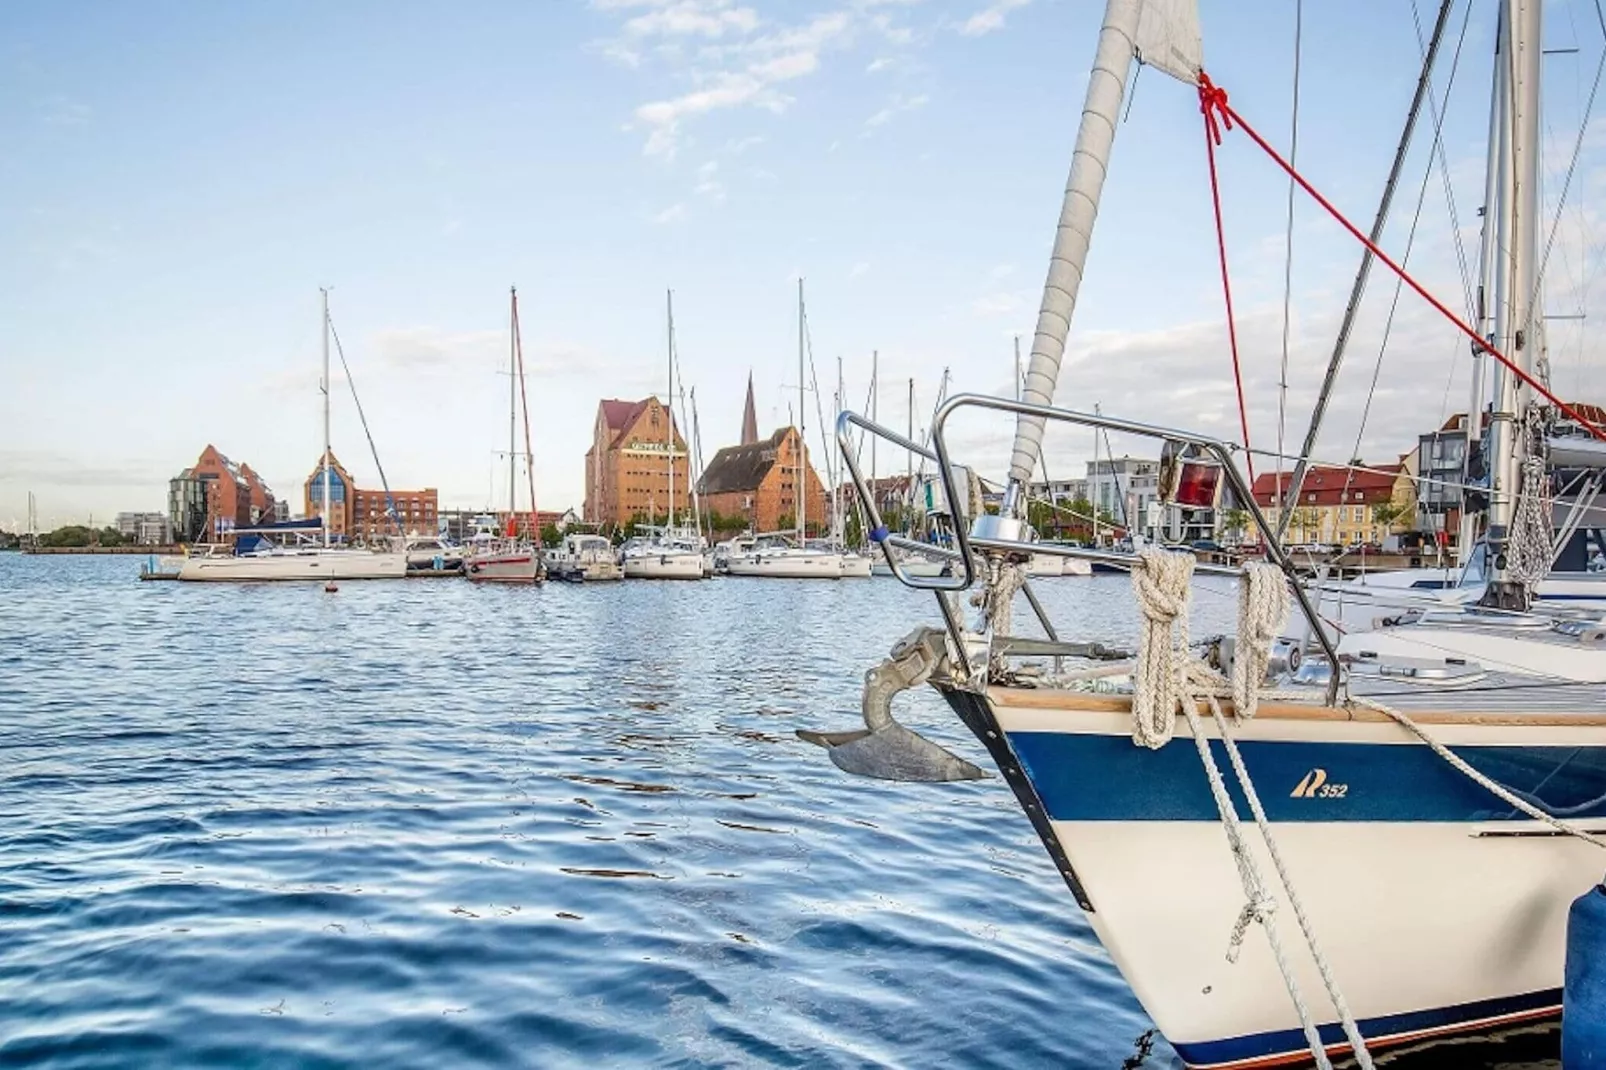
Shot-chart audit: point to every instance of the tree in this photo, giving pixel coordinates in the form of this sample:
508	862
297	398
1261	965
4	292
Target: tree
550	536
1388	514
1234	522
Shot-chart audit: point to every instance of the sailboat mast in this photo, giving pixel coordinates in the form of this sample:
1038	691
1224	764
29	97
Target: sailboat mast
1489	267
524	407
875	415
669	300
909	474
328	506
512	418
1514	288
802	419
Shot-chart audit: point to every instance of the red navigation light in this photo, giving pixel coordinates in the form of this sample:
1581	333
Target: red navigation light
1198	484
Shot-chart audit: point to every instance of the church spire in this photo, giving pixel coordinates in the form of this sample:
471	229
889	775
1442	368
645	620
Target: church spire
749	416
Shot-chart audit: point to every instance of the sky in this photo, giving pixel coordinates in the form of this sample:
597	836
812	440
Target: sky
179	180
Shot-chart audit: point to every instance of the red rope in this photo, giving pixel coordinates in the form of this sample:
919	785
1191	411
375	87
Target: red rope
1214	103
1209	105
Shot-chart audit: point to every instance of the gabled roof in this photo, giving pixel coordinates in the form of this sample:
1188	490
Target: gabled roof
620	415
1331	485
741	468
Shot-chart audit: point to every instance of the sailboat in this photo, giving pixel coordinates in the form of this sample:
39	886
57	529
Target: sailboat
511	557
774	554
1405	817
668	553
322	561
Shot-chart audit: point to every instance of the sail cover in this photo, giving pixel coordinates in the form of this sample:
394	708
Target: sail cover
1168	38
1164	34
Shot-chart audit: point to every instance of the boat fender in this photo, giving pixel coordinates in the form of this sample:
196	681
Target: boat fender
1583	1015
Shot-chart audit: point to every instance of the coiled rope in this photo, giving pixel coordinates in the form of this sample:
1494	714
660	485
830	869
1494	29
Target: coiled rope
1167	678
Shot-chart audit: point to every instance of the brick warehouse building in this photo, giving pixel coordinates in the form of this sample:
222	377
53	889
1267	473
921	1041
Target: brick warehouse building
756	482
627	466
359	513
214	496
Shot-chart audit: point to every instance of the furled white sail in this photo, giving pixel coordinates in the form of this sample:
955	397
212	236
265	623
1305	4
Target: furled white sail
1168	38
1164	34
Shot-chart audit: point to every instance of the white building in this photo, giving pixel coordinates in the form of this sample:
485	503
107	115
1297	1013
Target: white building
146	529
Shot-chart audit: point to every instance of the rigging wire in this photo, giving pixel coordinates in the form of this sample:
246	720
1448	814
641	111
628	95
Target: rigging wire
390	502
1288	256
1405	258
1566	185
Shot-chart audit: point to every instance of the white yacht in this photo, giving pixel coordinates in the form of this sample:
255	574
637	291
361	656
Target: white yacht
586	558
779	557
661	557
269	561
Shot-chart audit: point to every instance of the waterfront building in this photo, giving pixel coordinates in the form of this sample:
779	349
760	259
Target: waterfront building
144	529
1338	505
215	496
359	513
757	482
1122	489
627	466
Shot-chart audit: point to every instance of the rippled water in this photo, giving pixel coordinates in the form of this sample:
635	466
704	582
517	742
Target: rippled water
431	824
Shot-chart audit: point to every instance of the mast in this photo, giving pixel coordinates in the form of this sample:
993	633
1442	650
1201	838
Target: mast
837	530
328	506
1514	285
1489	255
524	406
512	420
875	409
909	475
669	410
802	418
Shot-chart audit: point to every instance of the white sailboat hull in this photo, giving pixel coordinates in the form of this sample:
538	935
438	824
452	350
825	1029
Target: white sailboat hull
788	565
664	566
1437	912
311	565
855	566
916	567
517	566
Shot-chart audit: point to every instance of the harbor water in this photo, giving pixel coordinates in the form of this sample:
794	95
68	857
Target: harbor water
427	823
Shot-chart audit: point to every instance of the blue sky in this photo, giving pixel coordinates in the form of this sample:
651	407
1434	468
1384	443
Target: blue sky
179	180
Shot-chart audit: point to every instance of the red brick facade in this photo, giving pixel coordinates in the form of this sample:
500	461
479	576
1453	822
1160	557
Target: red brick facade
360	513
757	482
627	466
236	497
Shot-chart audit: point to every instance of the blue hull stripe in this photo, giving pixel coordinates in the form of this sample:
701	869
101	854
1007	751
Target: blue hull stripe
1263	1048
1107	778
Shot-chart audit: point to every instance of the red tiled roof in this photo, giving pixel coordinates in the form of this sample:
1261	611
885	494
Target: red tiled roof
1331	485
620	413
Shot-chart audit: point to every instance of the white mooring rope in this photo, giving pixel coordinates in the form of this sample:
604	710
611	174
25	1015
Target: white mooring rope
1169	678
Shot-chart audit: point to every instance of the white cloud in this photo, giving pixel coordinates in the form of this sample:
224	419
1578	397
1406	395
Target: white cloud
895	107
703	18
707	184
673	214
742	63
990	18
997	304
858	269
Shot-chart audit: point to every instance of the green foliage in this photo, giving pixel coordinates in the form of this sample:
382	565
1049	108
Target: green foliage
551	536
1389	513
75	535
1234	522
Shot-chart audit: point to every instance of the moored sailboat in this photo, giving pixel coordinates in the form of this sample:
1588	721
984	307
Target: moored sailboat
1425	818
515	556
268	561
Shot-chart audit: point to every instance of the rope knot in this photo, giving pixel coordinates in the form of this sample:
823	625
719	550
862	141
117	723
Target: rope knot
1213	103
